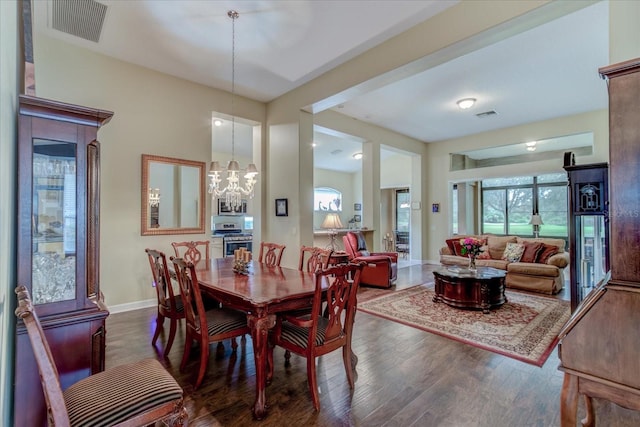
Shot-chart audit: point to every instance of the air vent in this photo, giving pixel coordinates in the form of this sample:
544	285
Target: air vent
487	114
80	18
338	151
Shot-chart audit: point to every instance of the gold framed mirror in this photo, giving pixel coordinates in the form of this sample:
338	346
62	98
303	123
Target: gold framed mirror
173	199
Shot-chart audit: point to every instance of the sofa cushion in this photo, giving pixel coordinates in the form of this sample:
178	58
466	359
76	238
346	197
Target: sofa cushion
531	250
454	246
513	252
546	252
484	254
533	269
495	263
497	244
560	243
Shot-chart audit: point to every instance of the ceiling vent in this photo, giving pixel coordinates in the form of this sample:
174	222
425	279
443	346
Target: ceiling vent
81	18
487	114
338	151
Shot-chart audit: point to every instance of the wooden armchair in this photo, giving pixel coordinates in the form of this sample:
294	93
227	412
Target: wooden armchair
271	254
135	394
191	251
312	336
382	267
169	305
204	327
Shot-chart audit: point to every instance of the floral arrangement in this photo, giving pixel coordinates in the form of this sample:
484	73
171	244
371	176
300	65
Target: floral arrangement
471	246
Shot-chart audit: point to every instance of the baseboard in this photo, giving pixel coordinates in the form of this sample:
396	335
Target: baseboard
121	308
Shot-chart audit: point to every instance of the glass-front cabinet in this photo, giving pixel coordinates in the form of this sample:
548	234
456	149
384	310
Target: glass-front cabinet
588	229
58	245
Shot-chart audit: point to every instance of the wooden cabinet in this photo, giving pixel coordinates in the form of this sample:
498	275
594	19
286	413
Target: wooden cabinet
599	346
58	245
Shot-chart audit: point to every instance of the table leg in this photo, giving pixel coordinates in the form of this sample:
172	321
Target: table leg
569	401
484	297
260	325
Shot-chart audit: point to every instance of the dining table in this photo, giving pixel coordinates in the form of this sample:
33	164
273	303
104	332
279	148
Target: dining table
262	292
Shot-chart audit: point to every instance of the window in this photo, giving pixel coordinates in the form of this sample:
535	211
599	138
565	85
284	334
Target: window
508	203
327	199
403	210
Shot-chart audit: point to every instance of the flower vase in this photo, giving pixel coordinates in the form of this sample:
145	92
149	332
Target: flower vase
472	263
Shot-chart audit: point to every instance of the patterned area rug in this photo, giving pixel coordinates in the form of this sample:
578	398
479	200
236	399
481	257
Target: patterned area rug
525	328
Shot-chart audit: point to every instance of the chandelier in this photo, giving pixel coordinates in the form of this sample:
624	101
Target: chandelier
234	189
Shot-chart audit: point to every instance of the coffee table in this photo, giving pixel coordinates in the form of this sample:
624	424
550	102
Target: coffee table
462	288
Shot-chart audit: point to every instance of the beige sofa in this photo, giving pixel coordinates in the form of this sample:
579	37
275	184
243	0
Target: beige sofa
545	277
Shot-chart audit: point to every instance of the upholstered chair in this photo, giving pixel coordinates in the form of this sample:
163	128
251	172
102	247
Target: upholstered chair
382	267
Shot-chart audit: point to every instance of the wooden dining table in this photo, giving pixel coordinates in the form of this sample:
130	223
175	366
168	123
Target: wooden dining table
262	293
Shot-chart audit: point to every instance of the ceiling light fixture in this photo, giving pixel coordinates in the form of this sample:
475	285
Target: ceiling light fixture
466	103
234	191
357	156
531	148
531	144
217	122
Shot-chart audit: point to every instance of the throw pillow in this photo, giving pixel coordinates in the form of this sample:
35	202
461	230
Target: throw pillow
547	252
454	246
485	253
513	252
531	250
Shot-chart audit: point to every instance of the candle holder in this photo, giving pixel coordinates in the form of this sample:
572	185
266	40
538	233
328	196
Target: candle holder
241	267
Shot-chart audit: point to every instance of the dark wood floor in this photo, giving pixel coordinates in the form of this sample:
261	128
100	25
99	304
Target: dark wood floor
405	377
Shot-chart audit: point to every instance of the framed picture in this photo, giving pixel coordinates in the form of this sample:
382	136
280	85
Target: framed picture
435	207
357	207
282	207
357	218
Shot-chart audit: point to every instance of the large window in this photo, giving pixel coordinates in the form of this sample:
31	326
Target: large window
508	203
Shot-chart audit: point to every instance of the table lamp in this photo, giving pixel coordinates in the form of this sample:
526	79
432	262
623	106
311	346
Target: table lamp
536	221
332	223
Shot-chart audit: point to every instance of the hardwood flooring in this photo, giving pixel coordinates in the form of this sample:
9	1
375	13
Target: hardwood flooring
405	377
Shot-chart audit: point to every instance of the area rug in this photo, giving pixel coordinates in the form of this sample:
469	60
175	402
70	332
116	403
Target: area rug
524	328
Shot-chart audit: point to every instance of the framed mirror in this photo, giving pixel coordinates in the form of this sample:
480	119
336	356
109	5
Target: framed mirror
173	199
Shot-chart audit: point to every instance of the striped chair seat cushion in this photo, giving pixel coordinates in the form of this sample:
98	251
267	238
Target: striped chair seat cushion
299	335
179	304
120	393
223	320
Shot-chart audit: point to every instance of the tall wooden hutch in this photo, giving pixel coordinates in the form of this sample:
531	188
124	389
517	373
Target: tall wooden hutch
599	348
58	245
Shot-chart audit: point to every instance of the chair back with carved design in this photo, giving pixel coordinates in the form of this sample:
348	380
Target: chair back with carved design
271	254
313	335
313	258
192	251
204	327
158	396
170	305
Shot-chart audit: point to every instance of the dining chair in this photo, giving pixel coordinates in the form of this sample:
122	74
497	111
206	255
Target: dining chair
134	394
204	327
191	251
271	253
314	335
170	305
318	258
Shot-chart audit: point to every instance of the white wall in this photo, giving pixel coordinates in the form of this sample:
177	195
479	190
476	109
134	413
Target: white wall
341	181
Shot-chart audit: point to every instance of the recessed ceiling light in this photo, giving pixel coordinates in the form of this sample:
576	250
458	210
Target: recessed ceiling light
531	144
313	144
357	156
466	103
217	122
531	148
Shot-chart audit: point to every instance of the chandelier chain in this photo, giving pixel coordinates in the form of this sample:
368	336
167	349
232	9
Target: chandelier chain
233	15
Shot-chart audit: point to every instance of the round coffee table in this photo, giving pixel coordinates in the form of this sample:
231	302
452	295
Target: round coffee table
461	288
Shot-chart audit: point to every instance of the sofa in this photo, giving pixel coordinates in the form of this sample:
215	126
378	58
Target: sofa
532	264
382	267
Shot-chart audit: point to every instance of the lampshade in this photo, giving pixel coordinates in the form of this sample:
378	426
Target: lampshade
332	221
536	220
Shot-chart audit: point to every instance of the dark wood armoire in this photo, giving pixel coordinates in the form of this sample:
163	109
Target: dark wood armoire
58	245
599	346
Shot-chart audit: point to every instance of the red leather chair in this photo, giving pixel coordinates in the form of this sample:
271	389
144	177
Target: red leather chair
382	267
